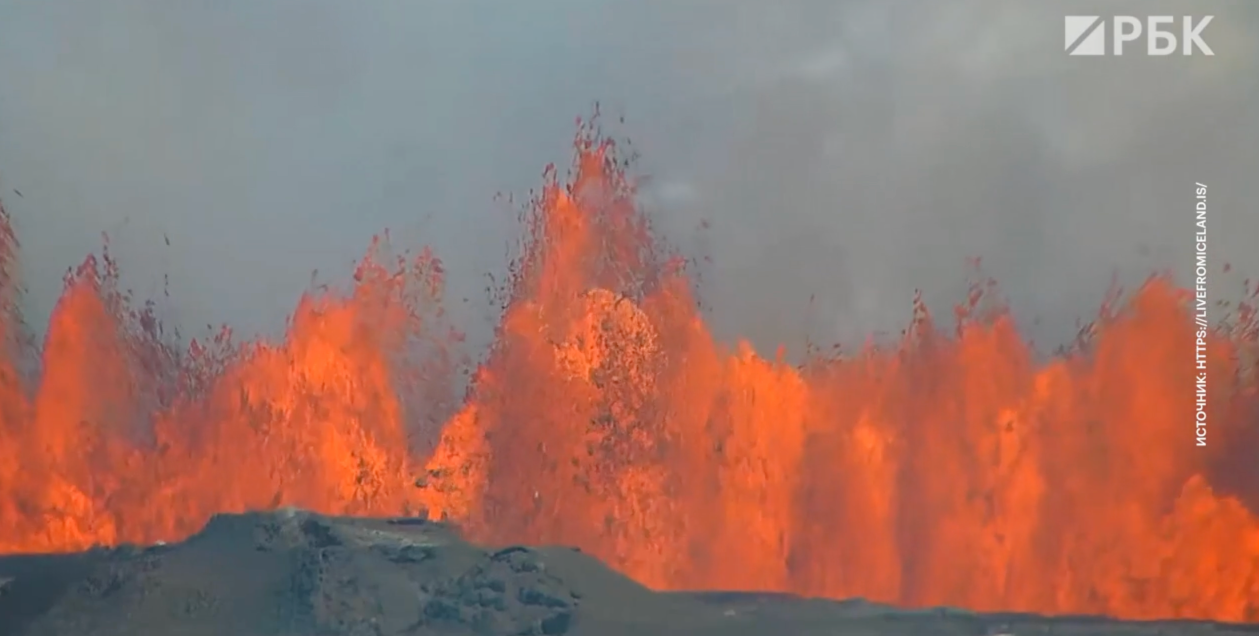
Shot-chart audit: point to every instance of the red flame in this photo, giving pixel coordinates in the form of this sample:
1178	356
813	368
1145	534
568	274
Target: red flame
953	468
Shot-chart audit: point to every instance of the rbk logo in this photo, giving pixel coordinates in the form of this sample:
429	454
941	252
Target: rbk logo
1086	34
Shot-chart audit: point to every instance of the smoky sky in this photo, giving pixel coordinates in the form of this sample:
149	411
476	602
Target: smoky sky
843	153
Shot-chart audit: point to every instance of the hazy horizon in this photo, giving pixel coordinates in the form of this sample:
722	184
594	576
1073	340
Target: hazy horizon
847	152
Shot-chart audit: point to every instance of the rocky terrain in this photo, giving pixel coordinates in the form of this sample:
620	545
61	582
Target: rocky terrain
297	573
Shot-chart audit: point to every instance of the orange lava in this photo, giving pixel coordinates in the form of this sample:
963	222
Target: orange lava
955	467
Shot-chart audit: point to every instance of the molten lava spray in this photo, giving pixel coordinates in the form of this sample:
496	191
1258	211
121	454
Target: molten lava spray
952	468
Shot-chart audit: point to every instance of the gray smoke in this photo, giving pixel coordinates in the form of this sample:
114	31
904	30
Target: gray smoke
844	151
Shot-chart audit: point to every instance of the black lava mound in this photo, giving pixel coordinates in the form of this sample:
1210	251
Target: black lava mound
296	573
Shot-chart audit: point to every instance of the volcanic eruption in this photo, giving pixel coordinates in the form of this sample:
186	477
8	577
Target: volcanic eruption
954	465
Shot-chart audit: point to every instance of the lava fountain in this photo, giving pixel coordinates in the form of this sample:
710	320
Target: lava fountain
954	466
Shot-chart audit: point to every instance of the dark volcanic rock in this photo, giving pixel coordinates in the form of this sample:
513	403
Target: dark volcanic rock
510	593
293	572
300	574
